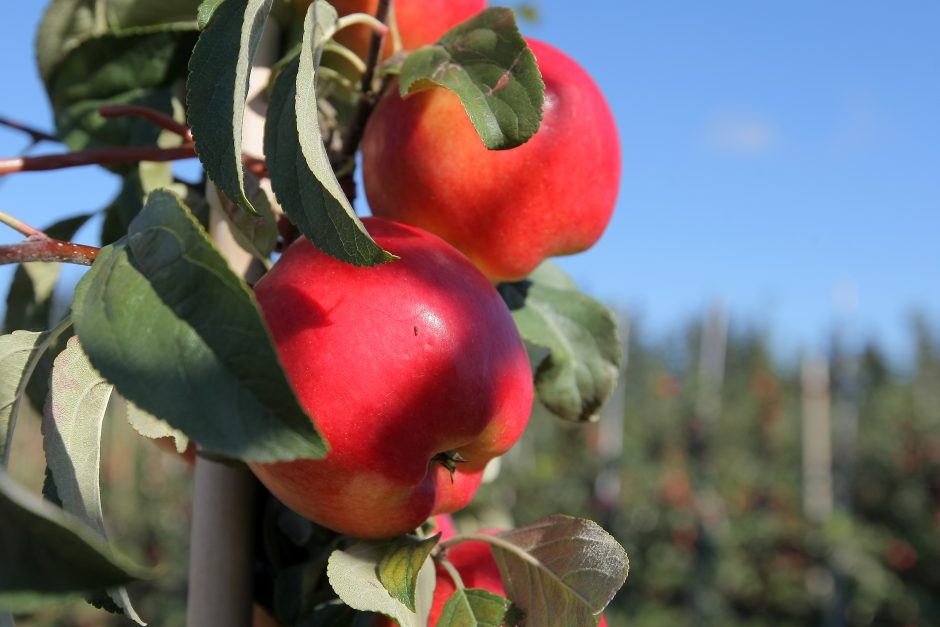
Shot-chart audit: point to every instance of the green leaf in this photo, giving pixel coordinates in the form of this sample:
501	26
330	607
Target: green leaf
46	553
206	10
71	429
474	608
67	23
560	570
353	574
298	164
254	232
29	300
580	371
152	427
217	88
20	353
163	318
488	65
140	68
399	568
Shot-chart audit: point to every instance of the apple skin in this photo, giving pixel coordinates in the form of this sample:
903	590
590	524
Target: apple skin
424	164
396	364
474	561
420	22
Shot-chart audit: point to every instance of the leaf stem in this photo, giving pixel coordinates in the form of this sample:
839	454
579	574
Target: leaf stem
43	248
378	25
157	118
347	54
96	156
452	571
19	226
35	134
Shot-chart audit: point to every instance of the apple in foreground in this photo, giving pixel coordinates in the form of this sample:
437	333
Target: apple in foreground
424	164
413	371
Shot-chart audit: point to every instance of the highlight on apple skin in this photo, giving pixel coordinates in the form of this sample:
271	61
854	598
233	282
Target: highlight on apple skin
413	371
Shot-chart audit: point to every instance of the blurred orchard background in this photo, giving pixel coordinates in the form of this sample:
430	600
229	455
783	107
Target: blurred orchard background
772	455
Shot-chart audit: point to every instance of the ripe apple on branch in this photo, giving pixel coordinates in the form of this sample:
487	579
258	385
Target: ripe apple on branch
363	369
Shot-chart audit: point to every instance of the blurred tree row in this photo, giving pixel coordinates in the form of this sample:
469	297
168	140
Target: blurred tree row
748	493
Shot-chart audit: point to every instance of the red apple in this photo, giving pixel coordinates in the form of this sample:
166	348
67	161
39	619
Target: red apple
420	22
424	164
474	561
406	368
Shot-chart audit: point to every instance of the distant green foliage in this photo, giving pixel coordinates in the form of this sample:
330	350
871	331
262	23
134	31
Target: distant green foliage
714	523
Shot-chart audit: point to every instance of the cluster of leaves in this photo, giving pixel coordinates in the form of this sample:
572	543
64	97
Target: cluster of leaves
715	526
168	334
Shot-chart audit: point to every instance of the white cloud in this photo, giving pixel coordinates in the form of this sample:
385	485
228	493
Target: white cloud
741	134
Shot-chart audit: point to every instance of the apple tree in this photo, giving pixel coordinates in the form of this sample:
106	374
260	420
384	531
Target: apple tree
356	376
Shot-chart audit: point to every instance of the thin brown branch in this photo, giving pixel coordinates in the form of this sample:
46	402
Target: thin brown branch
157	118
42	248
96	156
367	100
35	134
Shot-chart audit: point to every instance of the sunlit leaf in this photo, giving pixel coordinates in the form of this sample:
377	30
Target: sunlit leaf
353	575
399	568
471	607
488	65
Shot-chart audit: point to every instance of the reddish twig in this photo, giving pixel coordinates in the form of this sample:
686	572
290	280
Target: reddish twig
96	156
158	118
19	226
35	134
42	248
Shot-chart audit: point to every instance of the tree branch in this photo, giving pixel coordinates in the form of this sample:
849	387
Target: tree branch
35	134
367	100
157	118
96	156
42	248
19	226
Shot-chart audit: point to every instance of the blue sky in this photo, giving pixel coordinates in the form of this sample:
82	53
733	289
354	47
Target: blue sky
781	158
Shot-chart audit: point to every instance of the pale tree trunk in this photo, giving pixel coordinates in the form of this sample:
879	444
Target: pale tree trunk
220	564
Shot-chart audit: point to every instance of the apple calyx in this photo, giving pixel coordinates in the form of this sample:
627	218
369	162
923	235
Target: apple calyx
449	460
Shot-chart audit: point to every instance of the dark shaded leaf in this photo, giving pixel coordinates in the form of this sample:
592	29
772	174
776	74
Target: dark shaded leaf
560	570
217	88
300	170
163	317
45	553
580	334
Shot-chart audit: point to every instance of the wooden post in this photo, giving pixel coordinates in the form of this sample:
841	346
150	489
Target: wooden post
817	441
220	558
